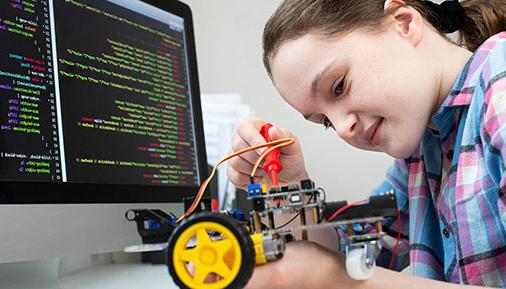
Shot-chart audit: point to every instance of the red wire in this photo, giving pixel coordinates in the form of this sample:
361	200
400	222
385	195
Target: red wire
329	219
399	228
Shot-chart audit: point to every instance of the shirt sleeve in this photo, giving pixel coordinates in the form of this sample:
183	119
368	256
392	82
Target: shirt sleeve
396	180
493	135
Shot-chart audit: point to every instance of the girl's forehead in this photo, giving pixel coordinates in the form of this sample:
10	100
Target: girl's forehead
298	61
294	67
311	48
312	52
303	53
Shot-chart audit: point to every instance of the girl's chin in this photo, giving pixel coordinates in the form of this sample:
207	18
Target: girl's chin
401	153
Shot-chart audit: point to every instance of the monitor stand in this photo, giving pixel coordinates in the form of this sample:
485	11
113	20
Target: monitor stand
40	274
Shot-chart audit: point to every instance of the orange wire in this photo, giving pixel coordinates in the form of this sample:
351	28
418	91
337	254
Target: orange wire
276	143
289	141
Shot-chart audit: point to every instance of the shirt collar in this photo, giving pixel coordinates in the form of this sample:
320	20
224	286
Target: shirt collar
460	95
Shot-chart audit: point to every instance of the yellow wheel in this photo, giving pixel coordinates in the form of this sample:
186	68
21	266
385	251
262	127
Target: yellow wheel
210	250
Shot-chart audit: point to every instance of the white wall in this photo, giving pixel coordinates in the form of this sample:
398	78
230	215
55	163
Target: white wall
228	39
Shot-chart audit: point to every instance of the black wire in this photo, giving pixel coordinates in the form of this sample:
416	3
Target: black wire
294	217
291	220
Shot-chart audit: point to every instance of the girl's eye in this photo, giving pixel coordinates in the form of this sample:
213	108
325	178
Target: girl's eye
340	87
327	123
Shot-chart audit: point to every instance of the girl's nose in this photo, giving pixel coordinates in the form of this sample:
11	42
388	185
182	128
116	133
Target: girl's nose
346	127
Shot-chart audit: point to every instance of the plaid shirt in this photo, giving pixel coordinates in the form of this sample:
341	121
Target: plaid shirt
451	191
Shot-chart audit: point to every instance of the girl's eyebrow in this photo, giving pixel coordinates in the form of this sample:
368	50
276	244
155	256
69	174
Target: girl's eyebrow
316	79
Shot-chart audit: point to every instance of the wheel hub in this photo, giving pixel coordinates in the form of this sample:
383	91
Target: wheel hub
208	256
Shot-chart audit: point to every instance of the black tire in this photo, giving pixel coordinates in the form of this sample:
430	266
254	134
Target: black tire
237	229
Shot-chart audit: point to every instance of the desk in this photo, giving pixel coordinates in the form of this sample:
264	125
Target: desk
119	276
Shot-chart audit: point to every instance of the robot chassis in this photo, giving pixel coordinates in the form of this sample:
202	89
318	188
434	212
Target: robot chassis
220	249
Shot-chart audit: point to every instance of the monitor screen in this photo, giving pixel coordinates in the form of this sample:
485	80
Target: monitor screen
99	102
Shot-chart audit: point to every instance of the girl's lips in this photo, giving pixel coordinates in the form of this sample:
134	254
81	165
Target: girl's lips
376	137
371	133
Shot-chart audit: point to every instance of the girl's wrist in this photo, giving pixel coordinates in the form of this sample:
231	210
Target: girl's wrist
331	272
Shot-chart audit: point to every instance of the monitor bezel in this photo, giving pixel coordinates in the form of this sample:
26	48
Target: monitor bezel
15	192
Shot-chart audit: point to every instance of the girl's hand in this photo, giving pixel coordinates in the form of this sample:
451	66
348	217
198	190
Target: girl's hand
304	265
247	134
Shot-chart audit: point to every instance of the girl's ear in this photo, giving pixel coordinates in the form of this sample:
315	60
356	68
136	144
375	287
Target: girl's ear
408	22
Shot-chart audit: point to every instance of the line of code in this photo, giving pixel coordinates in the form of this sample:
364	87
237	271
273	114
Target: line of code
125	99
28	124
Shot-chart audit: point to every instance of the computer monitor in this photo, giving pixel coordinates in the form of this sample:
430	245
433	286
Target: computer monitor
99	113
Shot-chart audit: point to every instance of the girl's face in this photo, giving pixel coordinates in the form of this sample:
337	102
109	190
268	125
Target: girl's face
374	89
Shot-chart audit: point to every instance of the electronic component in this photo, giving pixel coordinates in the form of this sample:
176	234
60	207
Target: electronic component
154	226
295	199
206	233
307	184
254	189
214	244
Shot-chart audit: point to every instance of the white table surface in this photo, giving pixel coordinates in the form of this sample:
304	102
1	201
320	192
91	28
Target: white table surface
119	276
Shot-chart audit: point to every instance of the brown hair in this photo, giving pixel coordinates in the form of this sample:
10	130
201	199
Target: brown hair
295	18
484	18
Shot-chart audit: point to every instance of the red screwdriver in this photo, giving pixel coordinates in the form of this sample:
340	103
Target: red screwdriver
272	165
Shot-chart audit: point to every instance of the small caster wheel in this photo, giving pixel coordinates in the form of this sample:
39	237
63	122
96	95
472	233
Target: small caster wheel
359	264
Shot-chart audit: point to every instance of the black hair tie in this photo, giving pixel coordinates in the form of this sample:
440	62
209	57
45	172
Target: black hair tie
447	17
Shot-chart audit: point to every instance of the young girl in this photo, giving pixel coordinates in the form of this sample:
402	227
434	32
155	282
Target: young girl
385	78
